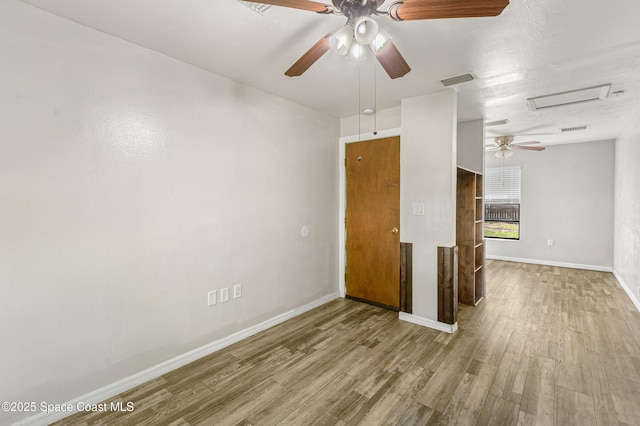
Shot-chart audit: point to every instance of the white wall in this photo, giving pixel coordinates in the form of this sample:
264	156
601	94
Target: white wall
471	145
567	196
384	119
131	184
626	261
428	175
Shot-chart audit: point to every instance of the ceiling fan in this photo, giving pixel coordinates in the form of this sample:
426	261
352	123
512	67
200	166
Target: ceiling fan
503	145
362	31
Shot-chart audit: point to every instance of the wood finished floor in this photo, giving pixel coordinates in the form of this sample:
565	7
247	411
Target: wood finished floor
548	346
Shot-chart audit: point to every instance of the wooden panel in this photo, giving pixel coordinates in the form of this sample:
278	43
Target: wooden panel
479	188
448	284
479	257
466	274
478	231
480	274
479	208
479	285
373	213
466	189
406	277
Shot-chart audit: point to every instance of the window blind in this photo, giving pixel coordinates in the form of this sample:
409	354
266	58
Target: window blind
502	184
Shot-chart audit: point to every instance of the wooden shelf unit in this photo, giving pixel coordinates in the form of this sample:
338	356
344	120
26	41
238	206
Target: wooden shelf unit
469	237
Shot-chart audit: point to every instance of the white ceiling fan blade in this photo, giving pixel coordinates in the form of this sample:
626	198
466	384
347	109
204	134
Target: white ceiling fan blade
530	148
526	143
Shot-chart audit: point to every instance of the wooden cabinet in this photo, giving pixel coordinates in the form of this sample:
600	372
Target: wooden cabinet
469	237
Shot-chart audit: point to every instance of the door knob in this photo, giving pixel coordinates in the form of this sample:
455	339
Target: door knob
394	231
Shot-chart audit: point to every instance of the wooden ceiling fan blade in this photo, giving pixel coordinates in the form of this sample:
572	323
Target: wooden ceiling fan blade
411	10
311	6
529	148
392	60
310	57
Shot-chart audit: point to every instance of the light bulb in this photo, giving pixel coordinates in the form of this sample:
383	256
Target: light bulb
380	40
503	153
366	30
341	40
356	52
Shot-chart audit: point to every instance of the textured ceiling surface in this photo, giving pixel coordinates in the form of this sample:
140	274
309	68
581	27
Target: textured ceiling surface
534	48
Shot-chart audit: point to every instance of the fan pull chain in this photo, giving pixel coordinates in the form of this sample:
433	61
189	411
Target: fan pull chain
375	98
359	96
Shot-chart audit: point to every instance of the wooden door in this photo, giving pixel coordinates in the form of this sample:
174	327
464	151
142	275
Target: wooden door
373	221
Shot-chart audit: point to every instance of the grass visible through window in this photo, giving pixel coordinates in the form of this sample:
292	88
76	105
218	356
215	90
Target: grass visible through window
509	230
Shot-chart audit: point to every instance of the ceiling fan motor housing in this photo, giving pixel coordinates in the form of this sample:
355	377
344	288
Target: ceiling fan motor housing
504	140
356	9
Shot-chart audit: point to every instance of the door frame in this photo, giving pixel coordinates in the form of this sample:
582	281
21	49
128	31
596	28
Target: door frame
342	202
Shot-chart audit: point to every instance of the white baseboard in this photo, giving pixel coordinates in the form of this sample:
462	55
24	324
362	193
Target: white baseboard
426	322
552	263
158	370
634	298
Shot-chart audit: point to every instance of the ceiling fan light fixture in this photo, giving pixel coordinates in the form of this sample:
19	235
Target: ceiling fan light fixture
342	40
380	40
366	30
357	52
503	153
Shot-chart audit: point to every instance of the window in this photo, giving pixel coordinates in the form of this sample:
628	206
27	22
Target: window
502	203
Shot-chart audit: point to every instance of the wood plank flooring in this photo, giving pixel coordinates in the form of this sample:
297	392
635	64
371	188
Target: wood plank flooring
547	346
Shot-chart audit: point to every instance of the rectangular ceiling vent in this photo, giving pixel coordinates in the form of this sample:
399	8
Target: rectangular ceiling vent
456	80
574	129
497	123
260	8
569	98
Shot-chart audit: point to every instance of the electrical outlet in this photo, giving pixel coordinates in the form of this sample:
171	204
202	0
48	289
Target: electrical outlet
237	290
211	298
550	243
224	294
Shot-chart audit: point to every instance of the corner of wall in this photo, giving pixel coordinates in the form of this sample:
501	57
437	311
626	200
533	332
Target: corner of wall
635	297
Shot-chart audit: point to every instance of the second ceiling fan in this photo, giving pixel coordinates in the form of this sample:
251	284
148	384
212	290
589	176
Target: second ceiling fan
503	146
361	32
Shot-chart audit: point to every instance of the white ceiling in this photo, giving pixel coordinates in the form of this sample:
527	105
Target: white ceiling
534	48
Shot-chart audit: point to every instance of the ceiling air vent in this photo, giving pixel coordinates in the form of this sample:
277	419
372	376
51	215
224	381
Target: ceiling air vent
456	80
497	123
575	128
260	8
569	98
